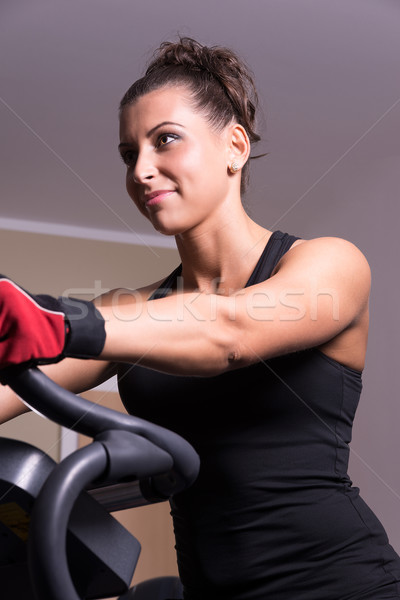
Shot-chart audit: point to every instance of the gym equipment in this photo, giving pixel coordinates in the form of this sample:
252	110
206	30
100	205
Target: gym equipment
75	549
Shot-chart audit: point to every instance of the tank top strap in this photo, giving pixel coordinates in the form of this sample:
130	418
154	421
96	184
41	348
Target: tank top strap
277	245
167	285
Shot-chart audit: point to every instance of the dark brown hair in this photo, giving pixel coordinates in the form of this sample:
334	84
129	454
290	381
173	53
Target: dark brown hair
220	84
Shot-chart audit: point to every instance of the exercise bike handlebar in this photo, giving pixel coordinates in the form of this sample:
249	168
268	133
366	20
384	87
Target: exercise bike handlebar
81	415
124	447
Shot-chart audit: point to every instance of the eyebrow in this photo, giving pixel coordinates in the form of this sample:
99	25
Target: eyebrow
151	131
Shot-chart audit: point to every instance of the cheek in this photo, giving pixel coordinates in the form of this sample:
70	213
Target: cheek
180	165
208	176
197	166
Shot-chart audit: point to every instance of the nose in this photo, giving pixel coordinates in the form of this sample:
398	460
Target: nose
144	169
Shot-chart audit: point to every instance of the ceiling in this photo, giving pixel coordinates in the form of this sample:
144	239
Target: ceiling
327	74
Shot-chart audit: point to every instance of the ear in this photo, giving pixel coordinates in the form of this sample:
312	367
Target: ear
239	146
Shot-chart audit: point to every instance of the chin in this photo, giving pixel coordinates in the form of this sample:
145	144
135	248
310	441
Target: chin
169	229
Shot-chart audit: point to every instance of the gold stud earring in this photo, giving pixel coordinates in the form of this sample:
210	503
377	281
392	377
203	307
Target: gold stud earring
234	167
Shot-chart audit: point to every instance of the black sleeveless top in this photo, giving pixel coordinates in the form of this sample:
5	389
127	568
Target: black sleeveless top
273	514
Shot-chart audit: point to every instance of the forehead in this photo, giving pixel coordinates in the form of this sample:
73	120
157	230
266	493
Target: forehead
165	104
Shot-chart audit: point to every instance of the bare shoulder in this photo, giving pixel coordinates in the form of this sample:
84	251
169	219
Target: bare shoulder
328	266
332	256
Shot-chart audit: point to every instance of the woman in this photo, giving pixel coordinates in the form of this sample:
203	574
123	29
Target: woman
252	349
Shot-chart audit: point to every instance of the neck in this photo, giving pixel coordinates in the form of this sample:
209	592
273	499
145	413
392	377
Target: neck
221	260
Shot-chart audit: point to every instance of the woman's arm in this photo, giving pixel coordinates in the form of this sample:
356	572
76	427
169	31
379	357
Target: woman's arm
320	288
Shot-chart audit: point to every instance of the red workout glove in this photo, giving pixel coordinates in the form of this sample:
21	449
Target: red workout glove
42	329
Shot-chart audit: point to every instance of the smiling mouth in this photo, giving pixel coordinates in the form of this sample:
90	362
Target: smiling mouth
157	197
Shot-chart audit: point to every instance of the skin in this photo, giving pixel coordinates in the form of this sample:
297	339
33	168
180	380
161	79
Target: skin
178	177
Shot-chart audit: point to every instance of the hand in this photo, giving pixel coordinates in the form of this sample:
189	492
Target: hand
41	329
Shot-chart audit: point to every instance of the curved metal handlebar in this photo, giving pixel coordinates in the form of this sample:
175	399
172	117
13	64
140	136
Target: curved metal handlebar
124	446
79	414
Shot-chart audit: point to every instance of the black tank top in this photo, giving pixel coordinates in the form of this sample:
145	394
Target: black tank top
273	514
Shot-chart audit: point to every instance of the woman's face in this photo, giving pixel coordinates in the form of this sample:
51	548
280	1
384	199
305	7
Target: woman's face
177	165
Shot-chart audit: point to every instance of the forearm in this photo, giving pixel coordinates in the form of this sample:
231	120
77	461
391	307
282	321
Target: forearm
11	405
183	334
206	334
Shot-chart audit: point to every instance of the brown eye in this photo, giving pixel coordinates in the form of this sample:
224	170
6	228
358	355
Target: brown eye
165	139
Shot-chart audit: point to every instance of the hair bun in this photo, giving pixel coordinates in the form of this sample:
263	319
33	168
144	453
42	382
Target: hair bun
187	53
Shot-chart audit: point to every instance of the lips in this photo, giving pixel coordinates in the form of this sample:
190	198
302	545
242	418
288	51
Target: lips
156	197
